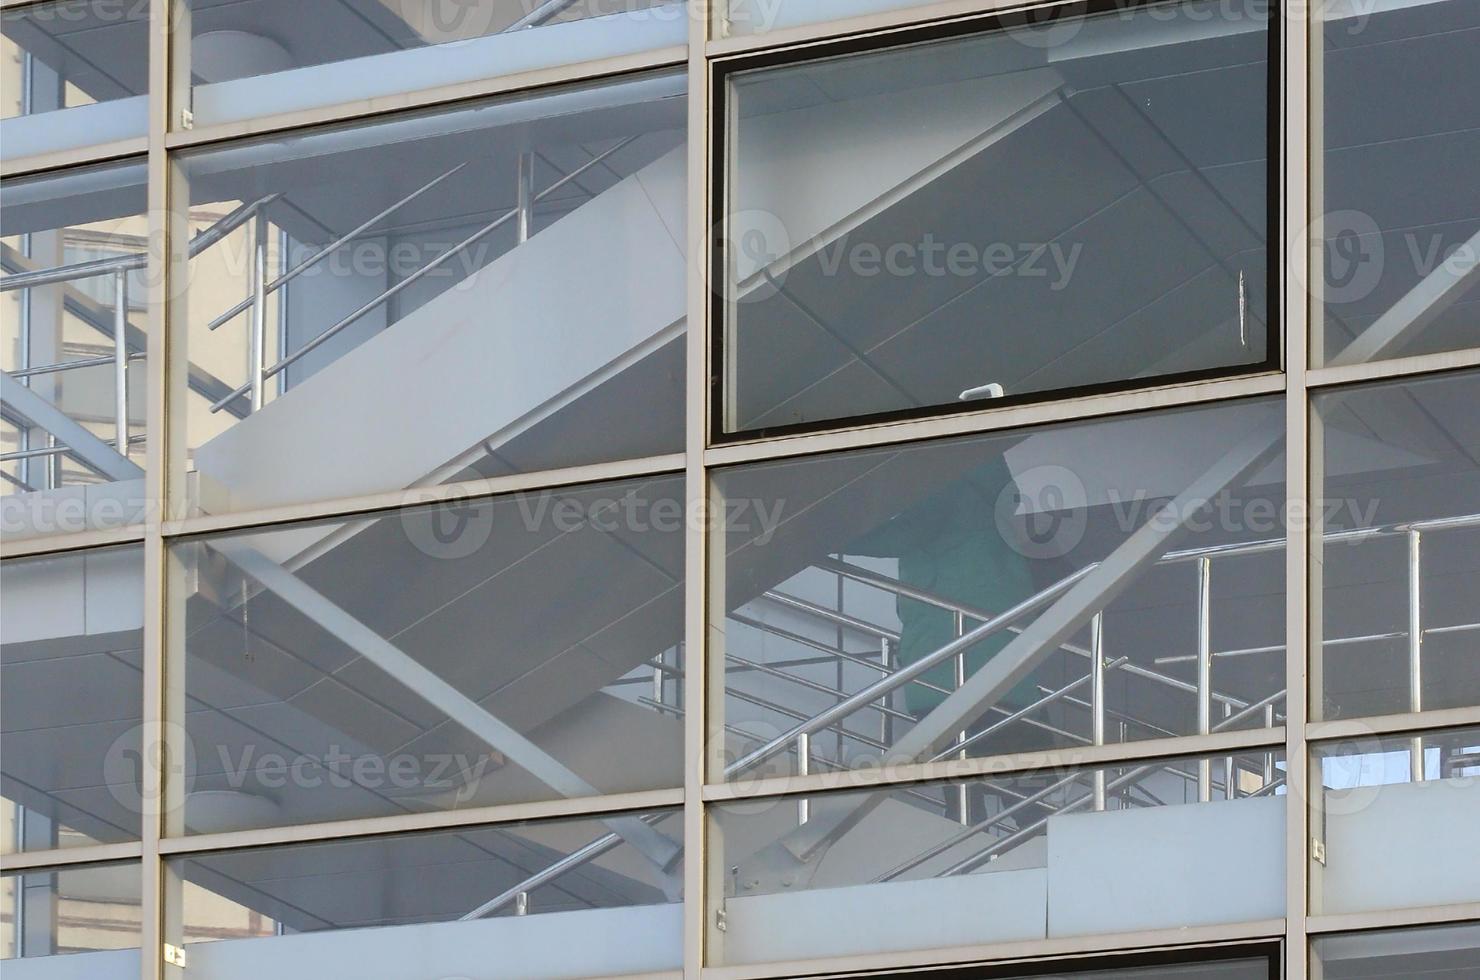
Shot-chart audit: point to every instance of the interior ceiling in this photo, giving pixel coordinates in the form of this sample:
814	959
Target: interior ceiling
1095	173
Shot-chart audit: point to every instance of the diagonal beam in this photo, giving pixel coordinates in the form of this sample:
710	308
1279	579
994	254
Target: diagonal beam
323	612
797	854
1419	307
69	432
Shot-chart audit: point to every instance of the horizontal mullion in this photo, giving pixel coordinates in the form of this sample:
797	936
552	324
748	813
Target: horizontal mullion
451	820
1398	367
391	501
69	856
41	163
52	544
1021	763
881	22
1014	952
1415	722
514	83
1393	918
990	420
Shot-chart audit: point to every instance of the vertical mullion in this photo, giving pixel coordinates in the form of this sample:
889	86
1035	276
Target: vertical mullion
1296	114
169	81
696	699
151	924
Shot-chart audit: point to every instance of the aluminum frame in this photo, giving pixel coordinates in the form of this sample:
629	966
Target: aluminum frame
1296	195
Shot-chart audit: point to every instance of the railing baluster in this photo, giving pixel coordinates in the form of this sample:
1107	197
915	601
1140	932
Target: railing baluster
1204	671
1415	647
1097	697
120	359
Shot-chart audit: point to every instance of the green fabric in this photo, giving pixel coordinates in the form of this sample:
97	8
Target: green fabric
949	545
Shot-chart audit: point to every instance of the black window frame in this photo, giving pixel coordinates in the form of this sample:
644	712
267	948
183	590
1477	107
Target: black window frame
805	53
1270	950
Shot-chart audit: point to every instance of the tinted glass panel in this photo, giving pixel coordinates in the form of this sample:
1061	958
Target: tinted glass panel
516	649
1041	855
72	250
90	913
73	74
1003	216
1401	231
1398	816
451	904
1400	576
1440	953
417	323
71	699
258	57
953	592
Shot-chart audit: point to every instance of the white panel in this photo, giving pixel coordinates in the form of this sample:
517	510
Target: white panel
42	598
997	906
1166	867
109	964
114	594
599	942
1402	846
68	129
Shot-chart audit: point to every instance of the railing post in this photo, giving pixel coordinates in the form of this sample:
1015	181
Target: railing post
1228	766
1268	773
1097	697
658	677
1415	648
804	766
521	903
258	341
962	789
525	196
1204	671
120	359
886	723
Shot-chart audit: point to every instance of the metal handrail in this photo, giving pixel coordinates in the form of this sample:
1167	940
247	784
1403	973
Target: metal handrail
417	276
904	675
82	362
128	263
312	260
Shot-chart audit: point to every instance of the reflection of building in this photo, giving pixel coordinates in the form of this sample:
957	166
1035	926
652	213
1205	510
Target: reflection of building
1006	644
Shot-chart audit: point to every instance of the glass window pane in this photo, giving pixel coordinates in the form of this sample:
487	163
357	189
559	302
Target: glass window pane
953	592
1401	226
1398	819
90	913
1037	858
417	324
516	649
72	250
461	903
71	699
1399	576
259	57
1435	953
1033	218
75	73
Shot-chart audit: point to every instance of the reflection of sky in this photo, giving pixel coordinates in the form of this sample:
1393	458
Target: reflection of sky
1377	768
1371	768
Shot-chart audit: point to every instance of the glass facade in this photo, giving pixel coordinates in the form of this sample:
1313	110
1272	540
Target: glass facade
766	489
